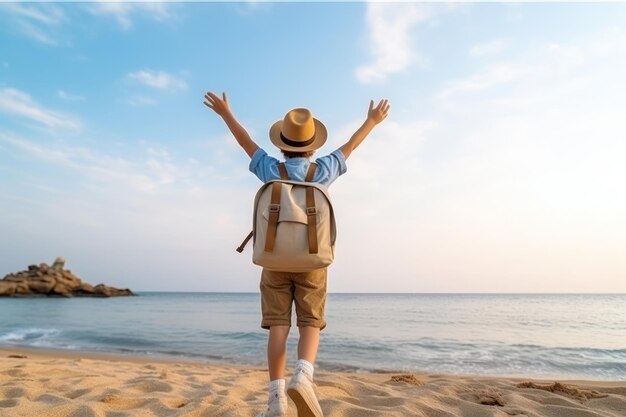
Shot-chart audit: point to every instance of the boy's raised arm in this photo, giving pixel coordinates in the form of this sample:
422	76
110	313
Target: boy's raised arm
222	108
374	117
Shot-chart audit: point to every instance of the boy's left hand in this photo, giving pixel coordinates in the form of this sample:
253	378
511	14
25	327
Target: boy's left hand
379	113
218	105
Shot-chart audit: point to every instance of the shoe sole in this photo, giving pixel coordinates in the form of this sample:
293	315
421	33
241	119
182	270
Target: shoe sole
304	405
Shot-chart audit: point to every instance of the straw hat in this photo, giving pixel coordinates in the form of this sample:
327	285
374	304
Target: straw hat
299	131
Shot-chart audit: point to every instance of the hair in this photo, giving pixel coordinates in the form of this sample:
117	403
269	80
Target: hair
289	154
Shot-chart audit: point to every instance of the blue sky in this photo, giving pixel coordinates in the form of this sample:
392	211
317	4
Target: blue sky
499	169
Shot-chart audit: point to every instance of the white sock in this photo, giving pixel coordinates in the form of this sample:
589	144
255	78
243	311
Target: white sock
276	393
306	367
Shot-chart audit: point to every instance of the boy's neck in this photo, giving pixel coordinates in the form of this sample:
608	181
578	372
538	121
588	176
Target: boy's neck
291	155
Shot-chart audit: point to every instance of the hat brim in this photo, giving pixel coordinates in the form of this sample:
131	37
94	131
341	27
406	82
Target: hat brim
320	138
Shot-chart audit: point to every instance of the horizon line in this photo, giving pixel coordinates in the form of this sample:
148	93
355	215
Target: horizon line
395	293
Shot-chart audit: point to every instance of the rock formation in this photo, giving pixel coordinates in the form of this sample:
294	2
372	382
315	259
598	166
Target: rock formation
55	280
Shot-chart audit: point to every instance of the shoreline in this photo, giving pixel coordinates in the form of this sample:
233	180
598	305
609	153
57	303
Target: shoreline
53	382
516	336
59	353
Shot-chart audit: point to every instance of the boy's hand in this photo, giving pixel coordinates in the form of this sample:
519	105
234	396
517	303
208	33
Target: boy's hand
222	108
218	105
378	114
374	116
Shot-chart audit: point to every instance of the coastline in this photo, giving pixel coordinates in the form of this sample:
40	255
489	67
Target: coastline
508	336
54	382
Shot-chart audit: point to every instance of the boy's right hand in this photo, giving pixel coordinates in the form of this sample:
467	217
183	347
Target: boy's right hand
218	105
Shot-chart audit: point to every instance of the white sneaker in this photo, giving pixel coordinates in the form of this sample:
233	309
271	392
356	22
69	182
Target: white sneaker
276	407
269	413
300	390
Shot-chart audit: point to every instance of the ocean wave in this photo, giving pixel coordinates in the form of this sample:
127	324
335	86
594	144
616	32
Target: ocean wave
29	335
491	335
119	340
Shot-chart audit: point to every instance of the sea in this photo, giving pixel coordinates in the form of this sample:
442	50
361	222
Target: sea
564	336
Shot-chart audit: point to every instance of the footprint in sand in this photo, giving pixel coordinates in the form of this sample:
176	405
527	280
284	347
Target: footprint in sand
116	414
8	403
152	385
83	411
175	402
12	392
124	403
15	373
77	393
51	399
488	396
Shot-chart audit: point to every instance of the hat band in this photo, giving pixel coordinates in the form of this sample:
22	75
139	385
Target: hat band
297	144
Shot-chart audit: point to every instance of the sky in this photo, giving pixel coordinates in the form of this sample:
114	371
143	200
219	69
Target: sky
499	169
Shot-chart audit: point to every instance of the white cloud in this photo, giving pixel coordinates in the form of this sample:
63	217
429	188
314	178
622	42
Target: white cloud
384	195
389	27
37	21
158	79
123	12
518	190
151	172
494	75
153	209
144	176
69	97
611	42
119	11
56	156
489	48
141	101
530	176
36	33
47	14
391	144
16	102
552	60
252	7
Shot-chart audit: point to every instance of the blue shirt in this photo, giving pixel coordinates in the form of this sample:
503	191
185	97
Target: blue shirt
329	167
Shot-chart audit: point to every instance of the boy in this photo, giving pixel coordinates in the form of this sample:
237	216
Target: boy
297	136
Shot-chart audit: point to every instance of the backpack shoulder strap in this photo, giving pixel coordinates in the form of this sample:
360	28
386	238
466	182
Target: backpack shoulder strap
283	171
274	209
311	172
311	211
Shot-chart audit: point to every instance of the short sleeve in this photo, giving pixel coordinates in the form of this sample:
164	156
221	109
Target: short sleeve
330	167
261	165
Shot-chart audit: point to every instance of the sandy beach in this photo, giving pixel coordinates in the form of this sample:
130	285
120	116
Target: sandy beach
51	383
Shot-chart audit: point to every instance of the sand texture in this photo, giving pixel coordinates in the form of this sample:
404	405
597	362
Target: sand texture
50	383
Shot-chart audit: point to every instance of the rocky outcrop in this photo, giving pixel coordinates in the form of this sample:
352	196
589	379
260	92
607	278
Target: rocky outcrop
55	280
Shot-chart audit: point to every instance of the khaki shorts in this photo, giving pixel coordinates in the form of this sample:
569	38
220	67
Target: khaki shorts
279	290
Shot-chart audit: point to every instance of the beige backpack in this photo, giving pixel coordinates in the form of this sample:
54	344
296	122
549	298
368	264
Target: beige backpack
293	225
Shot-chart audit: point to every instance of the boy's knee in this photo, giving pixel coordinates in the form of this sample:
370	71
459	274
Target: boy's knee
314	322
269	323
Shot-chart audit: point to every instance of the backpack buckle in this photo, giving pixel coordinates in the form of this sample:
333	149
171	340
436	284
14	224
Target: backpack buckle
274	208
311	211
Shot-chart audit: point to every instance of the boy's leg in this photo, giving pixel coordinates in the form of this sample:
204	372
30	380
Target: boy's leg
308	343
276	301
276	361
277	351
310	299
